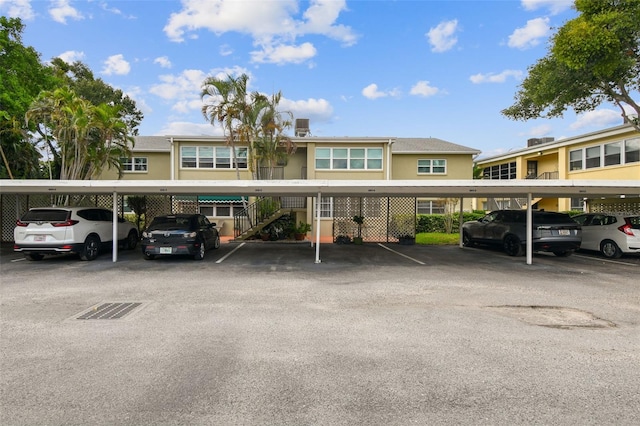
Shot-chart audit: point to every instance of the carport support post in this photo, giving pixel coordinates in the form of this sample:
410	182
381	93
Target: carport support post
529	230
460	222
318	228
114	248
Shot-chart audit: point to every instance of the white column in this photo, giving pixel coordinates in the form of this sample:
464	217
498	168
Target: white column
529	230
114	248
318	227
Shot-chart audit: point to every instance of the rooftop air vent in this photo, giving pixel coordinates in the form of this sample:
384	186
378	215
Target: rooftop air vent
302	127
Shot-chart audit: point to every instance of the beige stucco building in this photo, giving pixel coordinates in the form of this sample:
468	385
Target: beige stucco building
330	158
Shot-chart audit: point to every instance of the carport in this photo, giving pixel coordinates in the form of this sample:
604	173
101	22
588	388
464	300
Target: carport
339	188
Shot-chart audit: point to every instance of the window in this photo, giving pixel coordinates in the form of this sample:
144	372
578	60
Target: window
577	203
632	151
575	160
134	164
326	207
208	157
592	157
501	171
432	166
349	158
612	153
219	210
430	207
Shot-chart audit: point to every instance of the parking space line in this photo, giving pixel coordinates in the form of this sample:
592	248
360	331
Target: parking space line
18	260
400	254
223	258
604	260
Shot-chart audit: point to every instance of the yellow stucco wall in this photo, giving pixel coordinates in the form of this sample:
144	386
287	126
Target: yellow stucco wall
405	166
157	168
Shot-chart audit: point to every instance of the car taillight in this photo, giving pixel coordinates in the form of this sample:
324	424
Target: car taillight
20	223
626	228
67	222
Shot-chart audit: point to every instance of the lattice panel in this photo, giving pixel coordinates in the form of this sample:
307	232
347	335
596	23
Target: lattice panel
630	206
384	218
402	217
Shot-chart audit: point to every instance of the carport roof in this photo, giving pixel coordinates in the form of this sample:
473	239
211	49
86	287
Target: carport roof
383	188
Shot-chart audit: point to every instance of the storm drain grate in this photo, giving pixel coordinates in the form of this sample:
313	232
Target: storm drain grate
109	311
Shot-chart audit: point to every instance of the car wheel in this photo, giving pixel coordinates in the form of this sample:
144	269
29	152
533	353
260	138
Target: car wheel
91	248
610	249
466	239
512	245
563	253
34	256
216	242
132	240
200	254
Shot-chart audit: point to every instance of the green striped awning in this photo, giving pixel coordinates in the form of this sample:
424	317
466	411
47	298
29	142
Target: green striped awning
220	199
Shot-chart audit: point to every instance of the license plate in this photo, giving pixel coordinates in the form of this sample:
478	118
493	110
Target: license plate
165	250
564	232
39	238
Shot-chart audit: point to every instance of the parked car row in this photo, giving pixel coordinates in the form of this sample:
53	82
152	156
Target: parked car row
610	234
87	230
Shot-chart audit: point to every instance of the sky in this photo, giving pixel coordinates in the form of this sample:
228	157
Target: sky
429	68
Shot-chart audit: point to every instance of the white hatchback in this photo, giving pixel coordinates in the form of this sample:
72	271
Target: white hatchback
612	234
82	230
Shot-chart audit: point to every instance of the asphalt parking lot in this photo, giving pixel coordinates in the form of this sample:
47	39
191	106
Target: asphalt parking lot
374	334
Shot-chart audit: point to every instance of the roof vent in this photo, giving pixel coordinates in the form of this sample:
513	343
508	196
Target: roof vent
302	127
539	141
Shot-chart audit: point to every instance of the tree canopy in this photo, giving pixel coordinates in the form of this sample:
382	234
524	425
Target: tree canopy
28	87
592	59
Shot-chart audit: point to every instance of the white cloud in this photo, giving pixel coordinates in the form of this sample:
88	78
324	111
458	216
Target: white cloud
17	9
422	88
316	110
496	78
372	92
273	25
442	37
283	54
116	64
530	35
62	9
71	56
225	50
539	131
179	87
554	6
163	61
597	119
186	128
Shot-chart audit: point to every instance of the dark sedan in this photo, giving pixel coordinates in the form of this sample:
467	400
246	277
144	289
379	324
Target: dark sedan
553	232
185	234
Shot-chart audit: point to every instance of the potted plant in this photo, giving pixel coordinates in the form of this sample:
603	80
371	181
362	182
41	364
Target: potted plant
406	239
359	220
300	231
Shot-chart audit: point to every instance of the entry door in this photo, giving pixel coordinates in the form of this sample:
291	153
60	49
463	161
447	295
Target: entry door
532	169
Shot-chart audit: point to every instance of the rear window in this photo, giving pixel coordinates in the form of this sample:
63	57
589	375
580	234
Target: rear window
634	221
46	215
552	218
169	222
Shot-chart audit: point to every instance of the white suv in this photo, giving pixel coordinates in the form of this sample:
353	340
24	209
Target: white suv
612	234
82	230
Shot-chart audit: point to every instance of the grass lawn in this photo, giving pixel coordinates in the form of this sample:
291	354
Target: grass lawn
437	238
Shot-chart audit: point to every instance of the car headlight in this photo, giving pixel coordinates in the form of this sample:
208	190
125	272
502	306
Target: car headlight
146	234
190	235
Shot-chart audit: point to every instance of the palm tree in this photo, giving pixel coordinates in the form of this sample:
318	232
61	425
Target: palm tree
273	146
227	106
85	138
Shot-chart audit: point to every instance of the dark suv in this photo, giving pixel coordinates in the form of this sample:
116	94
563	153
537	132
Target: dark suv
554	232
